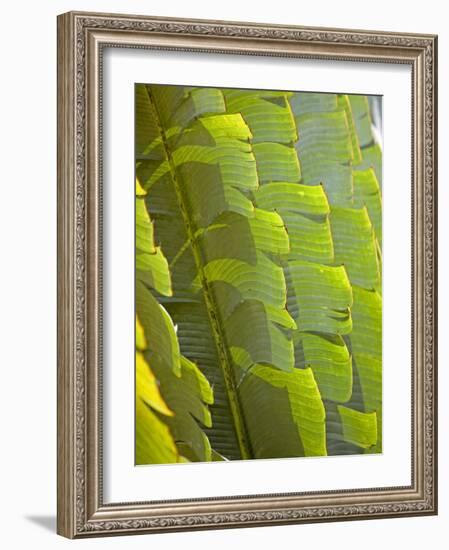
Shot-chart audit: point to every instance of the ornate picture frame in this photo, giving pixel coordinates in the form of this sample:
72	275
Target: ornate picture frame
82	38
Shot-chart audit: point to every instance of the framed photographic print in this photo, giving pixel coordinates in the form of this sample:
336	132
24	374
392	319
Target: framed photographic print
247	274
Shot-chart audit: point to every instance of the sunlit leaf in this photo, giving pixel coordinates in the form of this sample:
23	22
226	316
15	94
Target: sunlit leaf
258	255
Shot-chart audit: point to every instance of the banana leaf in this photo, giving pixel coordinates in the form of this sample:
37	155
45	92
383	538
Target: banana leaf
258	265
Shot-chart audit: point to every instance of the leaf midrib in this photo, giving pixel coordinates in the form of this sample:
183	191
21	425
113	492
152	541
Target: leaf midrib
212	310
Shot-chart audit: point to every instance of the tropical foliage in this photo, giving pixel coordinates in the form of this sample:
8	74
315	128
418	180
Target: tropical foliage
258	275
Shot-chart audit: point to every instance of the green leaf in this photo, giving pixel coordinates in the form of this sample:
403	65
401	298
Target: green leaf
372	158
147	387
320	298
293	197
199	101
151	265
239	237
345	103
171	392
304	210
184	388
290	413
358	428
327	145
366	345
197	342
325	135
236	264
355	245
188	310
235	249
371	151
255	335
367	193
276	162
306	102
159	330
330	361
362	119
215	175
148	143
336	178
154	442
269	118
266	214
355	208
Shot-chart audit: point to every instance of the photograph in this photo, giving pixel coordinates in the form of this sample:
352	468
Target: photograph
258	274
223	274
247	281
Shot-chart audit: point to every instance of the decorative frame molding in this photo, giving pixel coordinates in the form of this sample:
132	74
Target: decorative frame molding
81	37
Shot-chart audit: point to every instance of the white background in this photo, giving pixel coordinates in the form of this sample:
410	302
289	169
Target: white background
123	482
28	275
